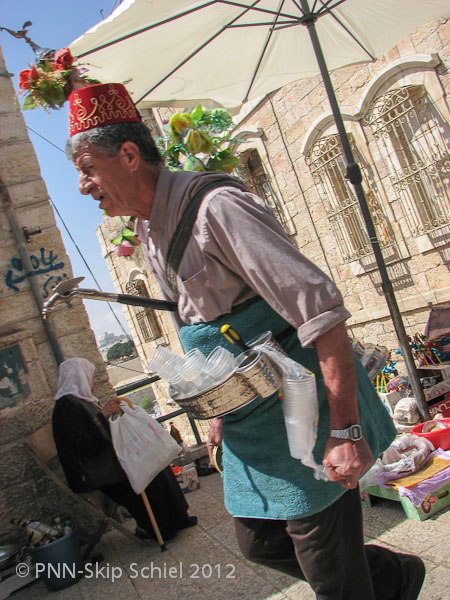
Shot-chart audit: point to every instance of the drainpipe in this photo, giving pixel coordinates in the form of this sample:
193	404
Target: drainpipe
21	245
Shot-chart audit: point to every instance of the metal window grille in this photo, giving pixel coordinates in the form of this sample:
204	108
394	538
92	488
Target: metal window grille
327	165
252	172
409	135
148	326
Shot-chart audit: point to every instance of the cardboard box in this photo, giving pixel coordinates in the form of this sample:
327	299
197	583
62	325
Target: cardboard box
188	479
392	397
441	388
432	504
442	407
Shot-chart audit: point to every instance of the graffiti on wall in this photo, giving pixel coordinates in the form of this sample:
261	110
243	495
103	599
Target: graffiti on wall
13	377
45	264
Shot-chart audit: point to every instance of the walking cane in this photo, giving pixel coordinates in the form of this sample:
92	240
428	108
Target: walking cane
153	521
148	508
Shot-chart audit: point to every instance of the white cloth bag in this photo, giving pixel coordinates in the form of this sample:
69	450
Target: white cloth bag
143	446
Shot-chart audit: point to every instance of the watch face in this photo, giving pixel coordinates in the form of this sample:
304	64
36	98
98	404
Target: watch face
355	432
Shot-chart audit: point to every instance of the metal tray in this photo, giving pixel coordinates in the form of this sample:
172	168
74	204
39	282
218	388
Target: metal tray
235	392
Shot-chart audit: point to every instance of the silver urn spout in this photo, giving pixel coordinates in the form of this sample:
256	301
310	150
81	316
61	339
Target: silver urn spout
66	290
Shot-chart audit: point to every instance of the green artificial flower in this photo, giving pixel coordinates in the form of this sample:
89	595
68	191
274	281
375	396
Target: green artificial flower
193	164
178	123
223	161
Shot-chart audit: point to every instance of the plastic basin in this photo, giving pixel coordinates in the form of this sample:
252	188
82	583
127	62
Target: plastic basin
439	438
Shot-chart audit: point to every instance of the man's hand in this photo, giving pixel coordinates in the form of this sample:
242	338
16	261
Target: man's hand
214	436
112	407
345	461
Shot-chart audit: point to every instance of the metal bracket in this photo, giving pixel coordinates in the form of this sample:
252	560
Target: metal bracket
29	231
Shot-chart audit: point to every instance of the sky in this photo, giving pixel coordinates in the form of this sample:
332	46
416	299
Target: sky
55	24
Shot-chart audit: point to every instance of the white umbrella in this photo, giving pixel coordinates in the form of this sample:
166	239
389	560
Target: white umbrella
182	52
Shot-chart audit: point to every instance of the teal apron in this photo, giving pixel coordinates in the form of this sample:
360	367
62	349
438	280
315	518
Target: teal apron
261	479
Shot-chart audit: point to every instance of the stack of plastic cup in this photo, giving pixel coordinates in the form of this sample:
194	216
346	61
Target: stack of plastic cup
193	373
182	386
191	369
219	365
165	362
300	414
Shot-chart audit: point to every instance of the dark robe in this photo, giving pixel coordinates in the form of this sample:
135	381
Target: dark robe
86	453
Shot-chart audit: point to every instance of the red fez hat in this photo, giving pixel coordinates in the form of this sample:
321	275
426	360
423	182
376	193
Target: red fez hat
100	104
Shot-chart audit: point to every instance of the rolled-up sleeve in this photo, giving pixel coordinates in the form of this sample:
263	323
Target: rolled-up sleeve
311	330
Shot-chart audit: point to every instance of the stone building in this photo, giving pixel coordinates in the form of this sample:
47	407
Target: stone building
396	112
32	261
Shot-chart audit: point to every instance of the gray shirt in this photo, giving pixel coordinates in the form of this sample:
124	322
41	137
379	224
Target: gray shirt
237	250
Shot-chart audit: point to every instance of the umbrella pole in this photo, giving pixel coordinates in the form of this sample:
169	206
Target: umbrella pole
354	175
153	521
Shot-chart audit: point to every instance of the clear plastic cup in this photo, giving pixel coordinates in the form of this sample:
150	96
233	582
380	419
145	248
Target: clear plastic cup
266	338
191	370
219	365
195	359
301	436
299	396
182	386
301	414
164	362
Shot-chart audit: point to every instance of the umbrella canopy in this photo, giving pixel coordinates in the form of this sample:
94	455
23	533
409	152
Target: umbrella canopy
183	52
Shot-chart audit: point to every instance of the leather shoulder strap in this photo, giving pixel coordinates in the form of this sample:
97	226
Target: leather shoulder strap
183	231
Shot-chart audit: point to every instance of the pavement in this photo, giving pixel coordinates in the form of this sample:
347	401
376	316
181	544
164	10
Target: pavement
204	562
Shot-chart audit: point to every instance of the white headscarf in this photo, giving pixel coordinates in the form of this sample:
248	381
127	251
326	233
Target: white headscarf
75	378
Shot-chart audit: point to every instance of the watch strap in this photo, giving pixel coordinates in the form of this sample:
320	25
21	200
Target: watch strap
353	433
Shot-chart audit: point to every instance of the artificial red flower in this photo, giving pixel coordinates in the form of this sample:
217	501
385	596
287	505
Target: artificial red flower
34	73
24	79
64	59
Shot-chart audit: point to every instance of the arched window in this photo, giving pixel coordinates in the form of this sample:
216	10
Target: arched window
148	326
326	162
407	131
252	172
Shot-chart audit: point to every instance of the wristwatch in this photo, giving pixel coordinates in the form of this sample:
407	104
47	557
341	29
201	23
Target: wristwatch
353	433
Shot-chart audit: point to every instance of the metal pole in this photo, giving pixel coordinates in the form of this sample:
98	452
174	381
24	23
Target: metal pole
354	175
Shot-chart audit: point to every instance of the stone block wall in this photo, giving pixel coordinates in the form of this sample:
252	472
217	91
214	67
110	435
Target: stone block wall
28	363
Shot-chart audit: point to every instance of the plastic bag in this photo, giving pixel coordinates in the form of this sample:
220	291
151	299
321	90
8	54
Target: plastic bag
406	454
406	411
300	408
143	446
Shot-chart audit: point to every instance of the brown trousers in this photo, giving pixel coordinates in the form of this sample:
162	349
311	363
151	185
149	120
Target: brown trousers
325	549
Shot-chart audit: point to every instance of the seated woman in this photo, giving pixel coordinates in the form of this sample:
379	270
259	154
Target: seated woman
85	450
